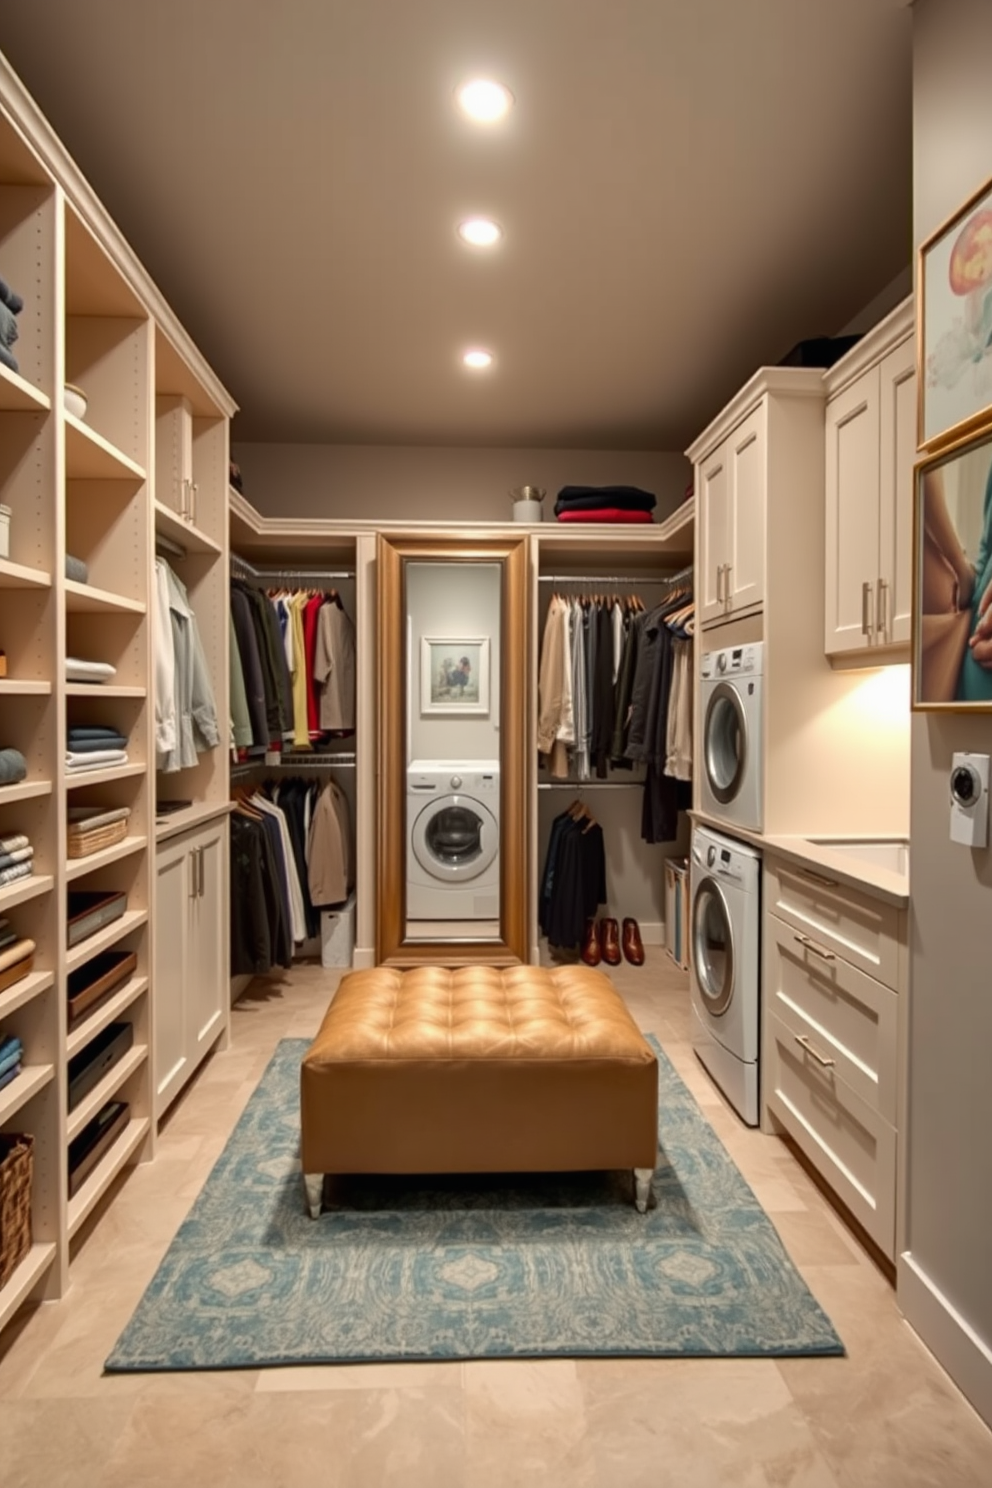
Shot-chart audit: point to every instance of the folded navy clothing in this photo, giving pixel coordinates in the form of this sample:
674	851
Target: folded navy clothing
591	498
92	731
9	298
8	360
93	746
11	1074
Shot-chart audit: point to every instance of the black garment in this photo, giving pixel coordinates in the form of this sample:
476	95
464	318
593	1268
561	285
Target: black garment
550	865
601	738
257	604
591	498
280	870
280	667
291	798
622	693
579	883
251	664
663	799
259	934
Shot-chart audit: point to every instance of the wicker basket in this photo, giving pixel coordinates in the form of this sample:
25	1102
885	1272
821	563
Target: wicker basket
16	1163
81	844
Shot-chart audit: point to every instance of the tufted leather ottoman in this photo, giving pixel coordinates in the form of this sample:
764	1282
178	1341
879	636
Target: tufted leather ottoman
478	1070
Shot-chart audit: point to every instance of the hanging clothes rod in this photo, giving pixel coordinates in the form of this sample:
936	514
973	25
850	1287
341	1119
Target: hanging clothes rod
168	546
248	570
341	761
578	786
639	579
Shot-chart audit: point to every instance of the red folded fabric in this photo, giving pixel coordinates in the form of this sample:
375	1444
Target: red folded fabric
605	514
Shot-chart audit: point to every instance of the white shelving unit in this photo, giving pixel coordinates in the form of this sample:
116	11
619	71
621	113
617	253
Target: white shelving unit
86	487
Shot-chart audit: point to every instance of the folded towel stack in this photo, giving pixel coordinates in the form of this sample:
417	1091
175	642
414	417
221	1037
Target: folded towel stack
11	306
13	766
11	1050
92	747
16	858
604	504
77	670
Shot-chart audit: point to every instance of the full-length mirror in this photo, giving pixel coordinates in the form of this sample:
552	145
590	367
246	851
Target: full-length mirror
452	796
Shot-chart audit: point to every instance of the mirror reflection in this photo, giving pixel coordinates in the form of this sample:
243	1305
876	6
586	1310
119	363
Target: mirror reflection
452	827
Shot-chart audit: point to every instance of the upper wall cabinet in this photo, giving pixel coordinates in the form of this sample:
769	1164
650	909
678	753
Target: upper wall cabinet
870	450
739	476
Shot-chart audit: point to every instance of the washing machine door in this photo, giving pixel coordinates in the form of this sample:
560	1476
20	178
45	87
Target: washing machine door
725	742
713	946
455	838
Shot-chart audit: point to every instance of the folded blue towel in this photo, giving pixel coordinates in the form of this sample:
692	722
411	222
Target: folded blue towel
11	1074
13	766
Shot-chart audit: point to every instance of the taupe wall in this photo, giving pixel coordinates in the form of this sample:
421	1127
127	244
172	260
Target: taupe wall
406	484
950	1049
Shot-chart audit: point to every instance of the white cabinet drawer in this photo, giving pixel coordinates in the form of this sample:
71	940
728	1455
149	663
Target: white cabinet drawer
844	1015
848	1142
857	927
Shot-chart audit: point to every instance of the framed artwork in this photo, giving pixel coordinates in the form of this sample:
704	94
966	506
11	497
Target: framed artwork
454	674
954	346
952	588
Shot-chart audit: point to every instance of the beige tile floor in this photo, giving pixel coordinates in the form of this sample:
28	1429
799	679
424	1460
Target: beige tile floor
884	1417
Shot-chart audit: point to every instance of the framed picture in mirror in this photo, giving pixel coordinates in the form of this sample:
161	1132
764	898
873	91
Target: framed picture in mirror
454	674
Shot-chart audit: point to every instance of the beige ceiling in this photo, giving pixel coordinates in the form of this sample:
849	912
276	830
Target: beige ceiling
687	188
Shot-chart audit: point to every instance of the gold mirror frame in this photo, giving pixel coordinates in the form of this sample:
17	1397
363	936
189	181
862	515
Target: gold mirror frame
392	946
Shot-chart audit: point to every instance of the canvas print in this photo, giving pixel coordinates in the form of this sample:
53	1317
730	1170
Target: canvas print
952	619
454	674
955	301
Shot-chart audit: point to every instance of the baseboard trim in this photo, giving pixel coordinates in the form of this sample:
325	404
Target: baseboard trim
362	958
948	1336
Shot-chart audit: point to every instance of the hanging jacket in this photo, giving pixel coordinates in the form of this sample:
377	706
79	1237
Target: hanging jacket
195	717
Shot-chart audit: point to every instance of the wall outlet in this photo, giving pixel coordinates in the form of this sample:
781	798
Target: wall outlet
969	783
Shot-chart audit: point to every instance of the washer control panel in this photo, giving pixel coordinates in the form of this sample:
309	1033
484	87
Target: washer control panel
734	661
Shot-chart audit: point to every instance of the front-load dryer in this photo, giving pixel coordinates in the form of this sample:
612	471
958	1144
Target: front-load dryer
453	839
731	786
725	964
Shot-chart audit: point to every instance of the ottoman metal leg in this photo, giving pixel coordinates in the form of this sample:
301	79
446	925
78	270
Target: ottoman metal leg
314	1183
642	1180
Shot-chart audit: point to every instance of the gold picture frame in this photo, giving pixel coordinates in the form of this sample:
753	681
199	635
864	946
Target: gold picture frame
954	325
952	578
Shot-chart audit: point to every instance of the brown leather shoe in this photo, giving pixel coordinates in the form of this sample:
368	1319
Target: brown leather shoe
609	933
591	951
633	947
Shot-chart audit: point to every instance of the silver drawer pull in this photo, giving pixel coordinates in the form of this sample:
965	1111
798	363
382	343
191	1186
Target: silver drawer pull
801	1038
817	950
820	878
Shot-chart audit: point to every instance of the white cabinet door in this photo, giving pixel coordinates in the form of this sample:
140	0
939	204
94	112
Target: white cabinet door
852	486
715	535
173	887
744	585
207	981
174	453
897	425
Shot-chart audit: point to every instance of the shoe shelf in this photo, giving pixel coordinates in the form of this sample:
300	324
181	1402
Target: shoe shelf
105	1090
82	1204
103	939
80	867
106	1013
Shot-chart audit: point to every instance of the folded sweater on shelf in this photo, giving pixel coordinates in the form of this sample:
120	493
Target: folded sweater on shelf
92	746
13	766
98	759
79	670
14	842
76	570
606	514
11	875
19	855
628	498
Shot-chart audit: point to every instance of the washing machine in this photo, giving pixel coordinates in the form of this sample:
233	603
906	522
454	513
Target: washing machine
730	697
452	840
725	964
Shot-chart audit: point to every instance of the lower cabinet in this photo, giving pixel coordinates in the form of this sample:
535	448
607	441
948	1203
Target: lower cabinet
191	1002
830	1075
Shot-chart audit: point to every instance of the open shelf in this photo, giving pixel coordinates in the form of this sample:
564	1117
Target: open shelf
25	888
18	395
88	456
104	1090
24	790
13	687
76	778
103	939
103	689
19	1286
106	1171
192	816
87	599
20	576
170	524
106	1013
79	867
25	991
33	1077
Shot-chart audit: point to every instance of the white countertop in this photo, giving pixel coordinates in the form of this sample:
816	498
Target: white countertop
883	883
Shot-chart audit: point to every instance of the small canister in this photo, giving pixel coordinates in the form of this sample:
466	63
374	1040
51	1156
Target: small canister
4	531
527	503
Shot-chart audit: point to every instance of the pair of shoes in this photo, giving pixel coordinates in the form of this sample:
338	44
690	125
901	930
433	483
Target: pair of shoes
603	942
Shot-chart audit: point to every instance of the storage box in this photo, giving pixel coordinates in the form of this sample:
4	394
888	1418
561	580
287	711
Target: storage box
337	934
90	910
16	1166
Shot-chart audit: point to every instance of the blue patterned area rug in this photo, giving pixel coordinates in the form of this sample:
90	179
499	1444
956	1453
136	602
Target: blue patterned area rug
468	1268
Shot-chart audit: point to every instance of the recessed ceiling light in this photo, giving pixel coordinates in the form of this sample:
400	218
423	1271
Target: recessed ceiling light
484	100
478	358
481	232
